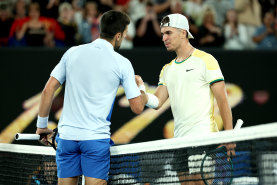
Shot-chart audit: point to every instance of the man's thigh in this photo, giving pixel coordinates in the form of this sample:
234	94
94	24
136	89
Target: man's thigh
95	158
68	159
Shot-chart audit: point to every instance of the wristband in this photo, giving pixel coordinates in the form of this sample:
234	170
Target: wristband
42	122
153	101
142	88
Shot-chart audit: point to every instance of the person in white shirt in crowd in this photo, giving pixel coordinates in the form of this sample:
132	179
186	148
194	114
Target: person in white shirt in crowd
235	33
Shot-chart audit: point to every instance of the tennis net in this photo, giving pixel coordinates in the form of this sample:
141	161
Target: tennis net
197	159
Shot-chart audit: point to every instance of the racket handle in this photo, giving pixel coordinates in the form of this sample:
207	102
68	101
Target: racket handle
20	136
238	124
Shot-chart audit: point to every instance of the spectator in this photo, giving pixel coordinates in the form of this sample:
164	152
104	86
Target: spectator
235	33
176	6
49	8
162	7
20	9
6	21
67	23
220	8
249	14
35	31
148	29
266	35
194	9
209	33
78	5
137	10
104	5
122	5
89	26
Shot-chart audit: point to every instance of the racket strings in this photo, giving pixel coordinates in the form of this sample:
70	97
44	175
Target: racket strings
217	169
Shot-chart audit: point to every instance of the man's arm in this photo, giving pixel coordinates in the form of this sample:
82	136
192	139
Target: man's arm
157	99
47	96
137	104
162	95
45	104
219	91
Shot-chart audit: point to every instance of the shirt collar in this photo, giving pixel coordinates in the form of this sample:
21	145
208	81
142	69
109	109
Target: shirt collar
104	42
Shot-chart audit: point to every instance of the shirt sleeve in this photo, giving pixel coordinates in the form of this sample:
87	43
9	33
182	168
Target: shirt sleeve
59	72
128	81
162	76
213	72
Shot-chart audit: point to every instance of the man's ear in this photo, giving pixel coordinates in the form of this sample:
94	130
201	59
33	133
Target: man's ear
118	36
184	34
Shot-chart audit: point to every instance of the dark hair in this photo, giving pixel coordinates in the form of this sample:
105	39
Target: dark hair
164	21
113	22
35	5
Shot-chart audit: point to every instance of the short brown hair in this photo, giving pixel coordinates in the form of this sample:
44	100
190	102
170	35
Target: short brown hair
164	21
113	22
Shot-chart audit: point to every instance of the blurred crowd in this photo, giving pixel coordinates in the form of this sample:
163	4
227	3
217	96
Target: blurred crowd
229	24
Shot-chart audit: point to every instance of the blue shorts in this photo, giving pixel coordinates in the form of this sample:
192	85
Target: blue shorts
90	158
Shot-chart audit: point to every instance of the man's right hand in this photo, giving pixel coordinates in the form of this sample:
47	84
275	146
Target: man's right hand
44	132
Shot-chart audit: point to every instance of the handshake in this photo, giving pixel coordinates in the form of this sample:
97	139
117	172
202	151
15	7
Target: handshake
152	101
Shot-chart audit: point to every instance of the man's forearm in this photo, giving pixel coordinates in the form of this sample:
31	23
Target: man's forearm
45	103
226	115
144	97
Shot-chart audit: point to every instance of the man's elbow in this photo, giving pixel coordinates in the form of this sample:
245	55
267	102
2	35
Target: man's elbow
138	109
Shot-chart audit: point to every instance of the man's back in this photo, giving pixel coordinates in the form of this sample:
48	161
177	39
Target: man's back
93	73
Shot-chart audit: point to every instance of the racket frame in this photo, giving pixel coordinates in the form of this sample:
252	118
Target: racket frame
223	150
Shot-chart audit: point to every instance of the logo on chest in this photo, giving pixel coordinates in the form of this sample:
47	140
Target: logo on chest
187	70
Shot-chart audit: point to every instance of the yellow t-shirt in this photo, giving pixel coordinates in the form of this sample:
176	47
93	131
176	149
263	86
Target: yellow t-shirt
192	101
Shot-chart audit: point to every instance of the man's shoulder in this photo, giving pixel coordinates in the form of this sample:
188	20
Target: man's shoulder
208	59
120	58
168	64
73	48
202	54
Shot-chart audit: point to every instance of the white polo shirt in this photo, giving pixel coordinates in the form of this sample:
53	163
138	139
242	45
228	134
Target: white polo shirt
192	101
93	73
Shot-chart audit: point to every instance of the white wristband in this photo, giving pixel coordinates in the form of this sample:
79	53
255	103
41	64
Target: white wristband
153	101
42	122
142	88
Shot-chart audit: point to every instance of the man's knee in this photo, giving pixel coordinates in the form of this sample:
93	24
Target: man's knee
68	181
94	181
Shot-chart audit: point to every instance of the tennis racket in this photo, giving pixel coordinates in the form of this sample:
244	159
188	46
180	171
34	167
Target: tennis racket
37	137
215	166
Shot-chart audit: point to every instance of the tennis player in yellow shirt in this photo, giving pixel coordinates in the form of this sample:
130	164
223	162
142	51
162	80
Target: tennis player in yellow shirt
191	81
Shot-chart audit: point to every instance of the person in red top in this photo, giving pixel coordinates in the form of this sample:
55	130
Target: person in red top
23	30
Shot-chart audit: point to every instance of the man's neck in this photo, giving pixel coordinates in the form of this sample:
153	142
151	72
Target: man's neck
110	41
184	52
